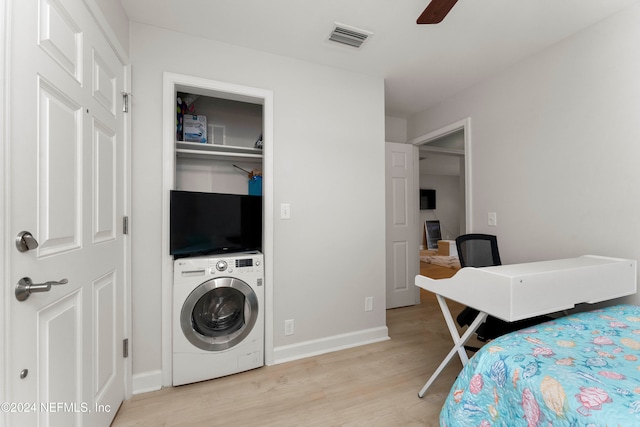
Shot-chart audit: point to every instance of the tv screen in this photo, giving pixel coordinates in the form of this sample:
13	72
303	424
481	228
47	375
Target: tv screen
214	223
427	199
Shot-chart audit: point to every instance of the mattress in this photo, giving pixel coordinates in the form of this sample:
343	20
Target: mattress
580	370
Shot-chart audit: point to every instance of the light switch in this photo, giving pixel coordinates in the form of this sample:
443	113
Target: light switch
492	219
285	211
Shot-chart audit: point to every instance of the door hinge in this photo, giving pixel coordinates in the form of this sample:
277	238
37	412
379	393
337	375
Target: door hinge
125	101
125	348
125	225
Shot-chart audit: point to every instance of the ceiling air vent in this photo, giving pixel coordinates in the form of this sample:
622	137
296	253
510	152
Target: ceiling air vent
349	36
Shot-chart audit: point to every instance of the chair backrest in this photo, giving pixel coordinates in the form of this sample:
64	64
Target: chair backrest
478	250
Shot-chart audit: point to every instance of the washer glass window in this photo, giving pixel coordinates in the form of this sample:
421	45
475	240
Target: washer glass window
219	313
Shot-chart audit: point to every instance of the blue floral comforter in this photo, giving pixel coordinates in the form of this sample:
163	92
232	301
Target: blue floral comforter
580	370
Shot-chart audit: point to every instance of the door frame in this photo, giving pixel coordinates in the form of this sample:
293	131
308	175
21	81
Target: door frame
171	83
123	56
465	126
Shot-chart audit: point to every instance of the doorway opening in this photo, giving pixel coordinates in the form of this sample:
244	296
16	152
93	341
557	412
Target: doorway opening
444	166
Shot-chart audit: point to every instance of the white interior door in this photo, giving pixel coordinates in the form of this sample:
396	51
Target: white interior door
401	220
65	358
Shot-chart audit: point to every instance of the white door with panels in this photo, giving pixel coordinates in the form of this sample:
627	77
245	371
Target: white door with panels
65	204
401	222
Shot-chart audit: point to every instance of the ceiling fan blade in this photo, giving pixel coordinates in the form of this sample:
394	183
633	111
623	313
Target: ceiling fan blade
436	11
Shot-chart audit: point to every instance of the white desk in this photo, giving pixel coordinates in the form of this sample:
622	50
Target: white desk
521	291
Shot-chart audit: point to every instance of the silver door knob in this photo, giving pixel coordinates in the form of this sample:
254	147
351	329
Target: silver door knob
25	241
26	287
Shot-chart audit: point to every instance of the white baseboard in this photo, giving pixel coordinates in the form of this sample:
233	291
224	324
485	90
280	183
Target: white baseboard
147	381
304	349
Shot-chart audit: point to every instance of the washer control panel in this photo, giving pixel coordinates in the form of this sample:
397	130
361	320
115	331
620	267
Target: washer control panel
247	263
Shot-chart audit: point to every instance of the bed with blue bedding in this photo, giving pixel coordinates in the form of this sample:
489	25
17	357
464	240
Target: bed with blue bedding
579	370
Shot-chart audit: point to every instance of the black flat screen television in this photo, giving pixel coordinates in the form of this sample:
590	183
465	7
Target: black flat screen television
214	223
427	199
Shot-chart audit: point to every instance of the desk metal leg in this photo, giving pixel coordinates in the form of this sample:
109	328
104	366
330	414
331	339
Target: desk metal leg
458	341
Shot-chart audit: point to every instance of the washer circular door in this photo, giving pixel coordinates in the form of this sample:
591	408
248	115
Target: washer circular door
219	314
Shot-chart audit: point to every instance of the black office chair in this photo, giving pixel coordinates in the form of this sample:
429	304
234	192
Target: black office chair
481	250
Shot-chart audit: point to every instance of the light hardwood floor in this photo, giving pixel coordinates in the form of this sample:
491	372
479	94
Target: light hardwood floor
372	385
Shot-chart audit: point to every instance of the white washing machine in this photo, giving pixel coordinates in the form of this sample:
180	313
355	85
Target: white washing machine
218	316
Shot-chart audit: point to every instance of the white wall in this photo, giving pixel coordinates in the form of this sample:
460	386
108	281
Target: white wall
448	206
329	165
117	18
395	129
440	164
554	146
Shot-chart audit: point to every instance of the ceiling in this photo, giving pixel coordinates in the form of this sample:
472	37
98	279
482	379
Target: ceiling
421	64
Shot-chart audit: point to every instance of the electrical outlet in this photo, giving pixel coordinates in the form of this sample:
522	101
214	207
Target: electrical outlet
368	304
288	327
